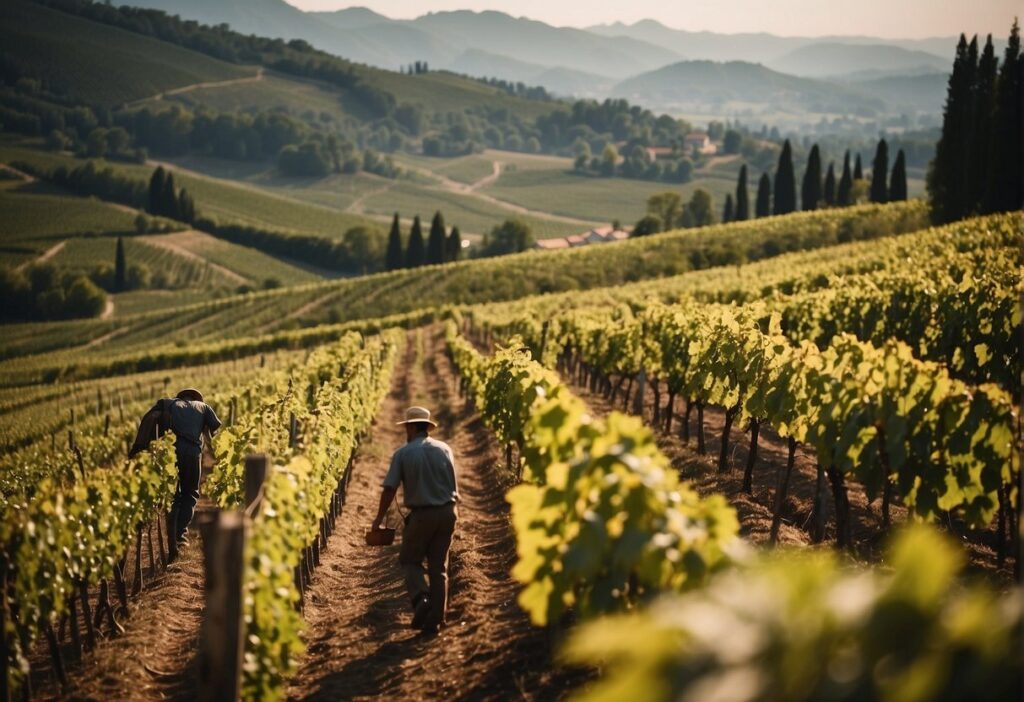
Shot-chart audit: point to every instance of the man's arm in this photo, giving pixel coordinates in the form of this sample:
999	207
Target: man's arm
387	496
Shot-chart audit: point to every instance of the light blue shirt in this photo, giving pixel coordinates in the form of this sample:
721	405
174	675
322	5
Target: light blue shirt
425	468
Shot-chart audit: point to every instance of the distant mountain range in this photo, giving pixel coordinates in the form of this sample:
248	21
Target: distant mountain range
640	60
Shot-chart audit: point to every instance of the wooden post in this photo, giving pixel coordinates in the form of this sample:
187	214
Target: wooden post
5	654
222	635
818	514
257	467
293	430
137	577
638	400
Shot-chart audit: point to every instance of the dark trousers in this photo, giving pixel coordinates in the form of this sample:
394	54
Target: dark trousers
428	535
186	496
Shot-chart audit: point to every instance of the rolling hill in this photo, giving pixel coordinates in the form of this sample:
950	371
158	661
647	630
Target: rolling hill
835	59
561	81
79	57
922	93
702	85
756	47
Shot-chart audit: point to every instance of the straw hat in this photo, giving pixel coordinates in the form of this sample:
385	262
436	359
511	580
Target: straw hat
418	415
190	394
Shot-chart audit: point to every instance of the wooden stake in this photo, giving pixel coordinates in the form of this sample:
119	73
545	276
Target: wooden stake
257	467
222	634
137	578
818	515
5	653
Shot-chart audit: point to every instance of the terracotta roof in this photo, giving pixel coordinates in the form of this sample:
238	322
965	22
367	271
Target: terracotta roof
552	244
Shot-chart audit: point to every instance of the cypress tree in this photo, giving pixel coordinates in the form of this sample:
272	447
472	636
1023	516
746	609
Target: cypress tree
415	255
120	267
186	207
845	183
810	188
948	189
742	203
727	209
828	194
879	173
435	244
981	135
785	182
898	182
393	258
453	246
156	190
169	198
763	205
858	172
1007	150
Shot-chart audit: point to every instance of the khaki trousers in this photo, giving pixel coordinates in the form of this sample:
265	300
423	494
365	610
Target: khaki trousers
428	535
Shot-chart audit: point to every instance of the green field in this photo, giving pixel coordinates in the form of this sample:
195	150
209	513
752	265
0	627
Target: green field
587	197
34	219
469	213
251	264
172	269
83	57
272	92
225	200
131	303
443	92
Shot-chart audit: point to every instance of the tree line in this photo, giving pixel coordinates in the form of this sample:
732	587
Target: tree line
43	292
442	246
978	161
777	195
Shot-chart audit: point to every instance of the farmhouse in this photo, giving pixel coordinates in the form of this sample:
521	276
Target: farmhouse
701	142
598	235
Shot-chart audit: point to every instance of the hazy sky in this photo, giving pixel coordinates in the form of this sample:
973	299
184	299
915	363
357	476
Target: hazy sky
884	18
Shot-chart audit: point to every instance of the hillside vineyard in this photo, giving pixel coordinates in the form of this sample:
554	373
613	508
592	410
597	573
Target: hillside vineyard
695	356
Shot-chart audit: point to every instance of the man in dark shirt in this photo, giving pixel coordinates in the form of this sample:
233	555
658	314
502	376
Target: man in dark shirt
191	419
425	468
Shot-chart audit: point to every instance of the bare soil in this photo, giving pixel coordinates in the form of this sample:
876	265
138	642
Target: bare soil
359	644
755	509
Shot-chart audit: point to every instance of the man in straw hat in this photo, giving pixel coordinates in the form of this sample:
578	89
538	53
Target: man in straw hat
425	468
190	418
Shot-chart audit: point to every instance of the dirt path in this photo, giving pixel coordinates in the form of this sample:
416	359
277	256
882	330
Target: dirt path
201	86
358	205
487	180
20	174
359	643
445	184
158	240
44	256
108	309
99	340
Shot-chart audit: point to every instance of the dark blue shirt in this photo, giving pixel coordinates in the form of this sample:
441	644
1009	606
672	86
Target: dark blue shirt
188	420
